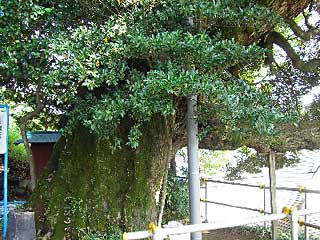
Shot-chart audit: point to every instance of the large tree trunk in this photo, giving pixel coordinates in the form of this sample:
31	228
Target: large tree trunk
90	186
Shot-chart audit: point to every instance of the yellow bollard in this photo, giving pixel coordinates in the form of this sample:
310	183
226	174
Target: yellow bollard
262	186
152	228
125	236
301	188
301	221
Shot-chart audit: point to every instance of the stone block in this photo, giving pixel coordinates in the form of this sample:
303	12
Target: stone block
21	226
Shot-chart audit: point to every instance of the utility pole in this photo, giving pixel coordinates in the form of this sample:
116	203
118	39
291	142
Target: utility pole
193	164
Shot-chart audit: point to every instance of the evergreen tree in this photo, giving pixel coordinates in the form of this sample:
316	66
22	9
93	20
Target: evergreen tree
120	73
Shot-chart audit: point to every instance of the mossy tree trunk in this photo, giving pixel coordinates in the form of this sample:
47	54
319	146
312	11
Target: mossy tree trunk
90	186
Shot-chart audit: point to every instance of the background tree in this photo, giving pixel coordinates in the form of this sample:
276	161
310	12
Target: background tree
24	63
304	134
18	165
120	73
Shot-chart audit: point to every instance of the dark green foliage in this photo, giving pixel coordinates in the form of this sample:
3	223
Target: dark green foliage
117	72
313	110
100	71
177	200
114	233
245	164
303	135
289	85
248	161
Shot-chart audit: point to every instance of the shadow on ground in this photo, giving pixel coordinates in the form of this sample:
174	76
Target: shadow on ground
232	234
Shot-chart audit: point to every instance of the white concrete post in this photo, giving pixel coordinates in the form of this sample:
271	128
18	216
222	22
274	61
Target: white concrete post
306	233
273	190
294	226
157	236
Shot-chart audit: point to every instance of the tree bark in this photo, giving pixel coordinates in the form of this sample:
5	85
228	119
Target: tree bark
309	66
23	129
89	185
164	189
32	167
165	177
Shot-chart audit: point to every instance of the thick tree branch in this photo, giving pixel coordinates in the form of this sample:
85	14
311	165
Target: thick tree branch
306	16
309	66
288	8
299	32
23	129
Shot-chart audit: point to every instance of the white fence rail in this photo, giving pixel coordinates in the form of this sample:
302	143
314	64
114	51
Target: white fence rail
160	233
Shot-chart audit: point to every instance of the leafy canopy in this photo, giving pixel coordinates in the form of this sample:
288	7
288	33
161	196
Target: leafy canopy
100	62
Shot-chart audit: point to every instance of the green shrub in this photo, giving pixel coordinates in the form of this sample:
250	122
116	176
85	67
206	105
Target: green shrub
113	233
97	236
177	200
16	152
287	236
265	232
261	231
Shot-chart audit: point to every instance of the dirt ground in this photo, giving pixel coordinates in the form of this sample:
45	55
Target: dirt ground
230	234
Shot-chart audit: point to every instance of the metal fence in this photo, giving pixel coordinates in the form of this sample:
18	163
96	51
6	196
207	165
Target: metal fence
155	233
289	214
263	187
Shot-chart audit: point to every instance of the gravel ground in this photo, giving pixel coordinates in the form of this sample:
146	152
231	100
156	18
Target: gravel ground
231	234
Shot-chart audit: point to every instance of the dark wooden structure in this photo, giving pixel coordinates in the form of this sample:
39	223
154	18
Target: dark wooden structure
41	146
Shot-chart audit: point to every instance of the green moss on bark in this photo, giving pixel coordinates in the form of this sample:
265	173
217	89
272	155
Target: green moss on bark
88	186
